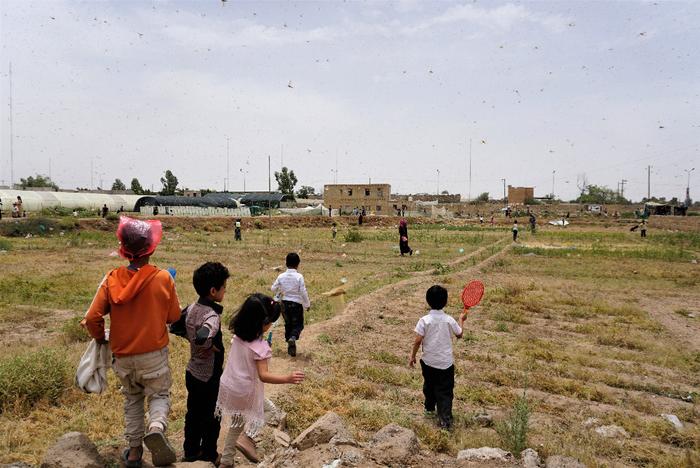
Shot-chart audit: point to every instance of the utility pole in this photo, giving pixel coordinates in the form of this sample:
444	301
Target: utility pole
269	189
228	175
12	137
505	200
622	188
92	173
687	187
553	173
438	182
469	193
648	183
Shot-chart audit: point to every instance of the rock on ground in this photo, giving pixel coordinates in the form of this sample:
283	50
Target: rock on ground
673	419
322	431
196	464
394	445
73	450
484	454
530	458
558	461
611	432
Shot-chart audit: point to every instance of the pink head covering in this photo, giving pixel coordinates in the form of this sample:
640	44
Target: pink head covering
138	238
403	223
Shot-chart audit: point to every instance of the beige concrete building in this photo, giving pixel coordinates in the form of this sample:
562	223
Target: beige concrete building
375	198
518	195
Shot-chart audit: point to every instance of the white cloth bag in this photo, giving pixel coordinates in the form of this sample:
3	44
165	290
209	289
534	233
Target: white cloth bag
91	375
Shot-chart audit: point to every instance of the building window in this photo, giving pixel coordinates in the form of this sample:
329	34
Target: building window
366	192
379	193
350	192
379	207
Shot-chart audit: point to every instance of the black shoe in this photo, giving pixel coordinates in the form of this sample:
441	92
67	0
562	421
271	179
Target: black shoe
292	346
447	425
132	463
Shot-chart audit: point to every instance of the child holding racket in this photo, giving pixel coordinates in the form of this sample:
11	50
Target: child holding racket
434	331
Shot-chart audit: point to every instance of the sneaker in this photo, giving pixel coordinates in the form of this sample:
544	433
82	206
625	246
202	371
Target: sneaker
162	453
246	446
446	425
292	346
429	413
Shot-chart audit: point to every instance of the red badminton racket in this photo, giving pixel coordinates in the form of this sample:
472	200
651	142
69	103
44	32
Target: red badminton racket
472	294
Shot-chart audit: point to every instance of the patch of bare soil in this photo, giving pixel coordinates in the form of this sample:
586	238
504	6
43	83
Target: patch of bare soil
37	324
680	315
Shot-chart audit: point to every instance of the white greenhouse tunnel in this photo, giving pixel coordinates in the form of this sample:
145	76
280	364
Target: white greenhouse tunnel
38	200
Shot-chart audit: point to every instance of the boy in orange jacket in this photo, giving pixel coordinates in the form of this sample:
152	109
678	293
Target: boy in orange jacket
140	300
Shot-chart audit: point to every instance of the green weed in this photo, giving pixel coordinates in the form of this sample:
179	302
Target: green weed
28	378
513	429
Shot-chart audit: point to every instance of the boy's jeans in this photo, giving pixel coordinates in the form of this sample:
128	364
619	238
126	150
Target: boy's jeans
142	376
438	388
293	315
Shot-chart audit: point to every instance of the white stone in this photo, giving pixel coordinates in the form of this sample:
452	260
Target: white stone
484	454
611	432
591	422
530	458
673	419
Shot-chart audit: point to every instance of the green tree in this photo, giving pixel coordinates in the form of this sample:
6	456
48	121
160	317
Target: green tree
483	197
286	180
136	186
118	185
305	191
38	181
169	182
600	195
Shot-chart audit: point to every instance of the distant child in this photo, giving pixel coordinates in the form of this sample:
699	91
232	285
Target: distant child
434	331
334	230
643	228
290	288
241	392
139	299
202	323
237	230
515	231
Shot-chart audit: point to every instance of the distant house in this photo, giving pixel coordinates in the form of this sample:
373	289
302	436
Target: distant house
519	195
345	197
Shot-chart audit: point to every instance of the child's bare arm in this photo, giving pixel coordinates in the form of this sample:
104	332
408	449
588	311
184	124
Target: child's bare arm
416	344
266	376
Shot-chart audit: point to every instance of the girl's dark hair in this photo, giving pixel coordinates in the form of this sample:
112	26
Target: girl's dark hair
257	311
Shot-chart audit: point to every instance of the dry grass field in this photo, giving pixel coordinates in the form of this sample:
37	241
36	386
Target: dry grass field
585	322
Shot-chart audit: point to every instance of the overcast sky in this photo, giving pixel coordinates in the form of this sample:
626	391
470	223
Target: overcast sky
394	89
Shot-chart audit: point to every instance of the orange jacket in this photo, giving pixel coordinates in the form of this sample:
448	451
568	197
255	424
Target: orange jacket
140	304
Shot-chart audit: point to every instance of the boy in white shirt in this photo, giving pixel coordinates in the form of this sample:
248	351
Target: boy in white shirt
434	331
290	288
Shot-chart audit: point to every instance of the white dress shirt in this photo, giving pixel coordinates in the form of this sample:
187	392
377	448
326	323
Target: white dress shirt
437	329
289	286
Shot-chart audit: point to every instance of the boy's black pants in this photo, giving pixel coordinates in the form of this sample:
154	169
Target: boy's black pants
293	319
438	387
201	426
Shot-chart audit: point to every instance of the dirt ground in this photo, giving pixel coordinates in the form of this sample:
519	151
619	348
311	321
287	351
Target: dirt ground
588	321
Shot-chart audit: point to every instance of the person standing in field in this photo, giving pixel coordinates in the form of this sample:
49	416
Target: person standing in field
515	231
403	238
242	391
533	223
290	288
334	231
237	230
140	300
434	333
643	228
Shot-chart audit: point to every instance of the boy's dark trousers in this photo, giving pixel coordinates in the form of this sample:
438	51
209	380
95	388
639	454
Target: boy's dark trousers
438	387
293	314
237	234
201	426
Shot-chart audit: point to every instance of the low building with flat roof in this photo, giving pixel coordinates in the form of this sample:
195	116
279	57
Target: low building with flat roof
374	198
